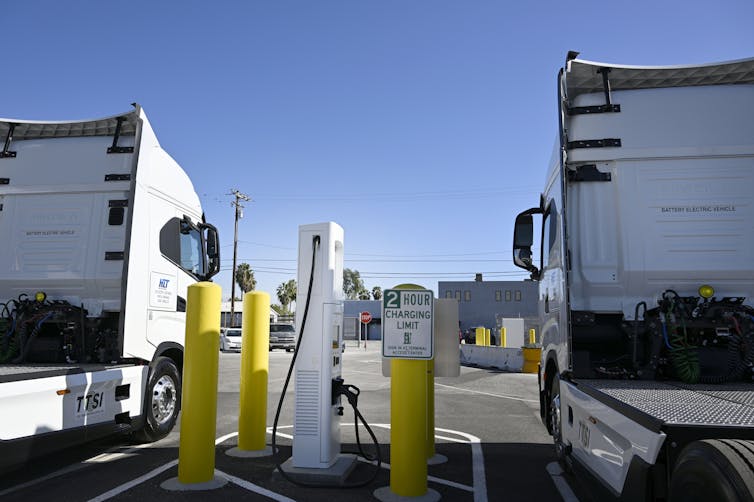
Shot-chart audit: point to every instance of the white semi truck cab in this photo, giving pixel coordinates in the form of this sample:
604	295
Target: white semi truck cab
102	234
645	267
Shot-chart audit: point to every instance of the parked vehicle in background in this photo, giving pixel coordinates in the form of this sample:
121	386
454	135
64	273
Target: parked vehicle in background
282	336
646	279
103	233
469	336
230	339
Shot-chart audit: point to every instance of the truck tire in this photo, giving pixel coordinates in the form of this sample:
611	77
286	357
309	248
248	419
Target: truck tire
161	401
555	418
714	469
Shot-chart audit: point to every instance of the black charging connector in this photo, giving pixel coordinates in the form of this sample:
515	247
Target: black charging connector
340	388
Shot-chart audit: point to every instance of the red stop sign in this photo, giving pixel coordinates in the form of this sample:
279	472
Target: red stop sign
365	317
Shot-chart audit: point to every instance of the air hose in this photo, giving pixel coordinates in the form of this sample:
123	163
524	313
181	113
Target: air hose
683	355
27	343
350	391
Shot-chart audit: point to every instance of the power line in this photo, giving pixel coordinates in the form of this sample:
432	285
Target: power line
377	196
370	274
397	260
433	255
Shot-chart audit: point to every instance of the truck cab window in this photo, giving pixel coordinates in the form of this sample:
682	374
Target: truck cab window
549	232
181	243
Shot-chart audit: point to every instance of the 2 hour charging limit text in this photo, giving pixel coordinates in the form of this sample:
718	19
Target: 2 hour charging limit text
407	323
395	299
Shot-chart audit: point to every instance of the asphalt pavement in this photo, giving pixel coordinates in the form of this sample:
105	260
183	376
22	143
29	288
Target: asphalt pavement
487	426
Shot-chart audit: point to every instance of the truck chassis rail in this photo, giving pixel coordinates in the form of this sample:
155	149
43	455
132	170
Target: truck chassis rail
15	373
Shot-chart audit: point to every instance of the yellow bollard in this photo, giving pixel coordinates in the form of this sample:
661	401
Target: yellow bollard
196	452
503	340
411	419
480	336
532	337
255	366
532	356
487	337
408	422
430	408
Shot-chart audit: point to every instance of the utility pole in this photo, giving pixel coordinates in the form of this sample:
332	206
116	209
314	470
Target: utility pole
239	214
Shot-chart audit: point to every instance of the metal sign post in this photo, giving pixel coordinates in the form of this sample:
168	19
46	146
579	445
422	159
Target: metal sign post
365	318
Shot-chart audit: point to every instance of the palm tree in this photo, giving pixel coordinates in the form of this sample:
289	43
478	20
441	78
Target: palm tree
377	292
363	294
287	293
245	278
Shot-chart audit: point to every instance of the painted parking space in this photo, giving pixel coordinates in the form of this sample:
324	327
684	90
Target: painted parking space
486	426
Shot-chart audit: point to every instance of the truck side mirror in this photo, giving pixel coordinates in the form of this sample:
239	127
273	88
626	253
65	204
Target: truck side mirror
213	250
523	238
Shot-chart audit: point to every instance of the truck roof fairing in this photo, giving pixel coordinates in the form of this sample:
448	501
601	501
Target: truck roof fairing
106	126
584	77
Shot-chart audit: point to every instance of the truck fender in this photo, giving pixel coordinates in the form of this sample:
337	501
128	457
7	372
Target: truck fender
170	350
546	374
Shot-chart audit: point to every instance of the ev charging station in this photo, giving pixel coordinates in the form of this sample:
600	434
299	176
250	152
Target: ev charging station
316	433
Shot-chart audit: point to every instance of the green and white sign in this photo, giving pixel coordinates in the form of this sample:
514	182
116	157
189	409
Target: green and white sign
407	324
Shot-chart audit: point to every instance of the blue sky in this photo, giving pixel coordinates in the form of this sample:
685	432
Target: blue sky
420	126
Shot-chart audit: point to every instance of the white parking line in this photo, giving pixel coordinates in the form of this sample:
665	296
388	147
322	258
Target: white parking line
477	464
154	472
254	488
134	482
556	473
479	487
102	458
439	481
477	461
65	470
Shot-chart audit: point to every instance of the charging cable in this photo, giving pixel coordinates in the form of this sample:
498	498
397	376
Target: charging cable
351	393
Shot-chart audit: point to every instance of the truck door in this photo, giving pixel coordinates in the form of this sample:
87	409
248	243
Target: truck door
552	305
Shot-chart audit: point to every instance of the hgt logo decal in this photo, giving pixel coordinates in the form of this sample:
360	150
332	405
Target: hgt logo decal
164	283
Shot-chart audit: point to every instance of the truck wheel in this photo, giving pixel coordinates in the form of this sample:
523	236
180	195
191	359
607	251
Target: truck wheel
714	469
556	425
161	401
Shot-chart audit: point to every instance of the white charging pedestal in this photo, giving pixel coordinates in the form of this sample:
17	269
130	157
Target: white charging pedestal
316	430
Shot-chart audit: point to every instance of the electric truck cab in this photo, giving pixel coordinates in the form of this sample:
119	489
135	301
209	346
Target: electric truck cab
102	235
646	279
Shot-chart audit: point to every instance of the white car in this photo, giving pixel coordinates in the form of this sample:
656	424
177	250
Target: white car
230	339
